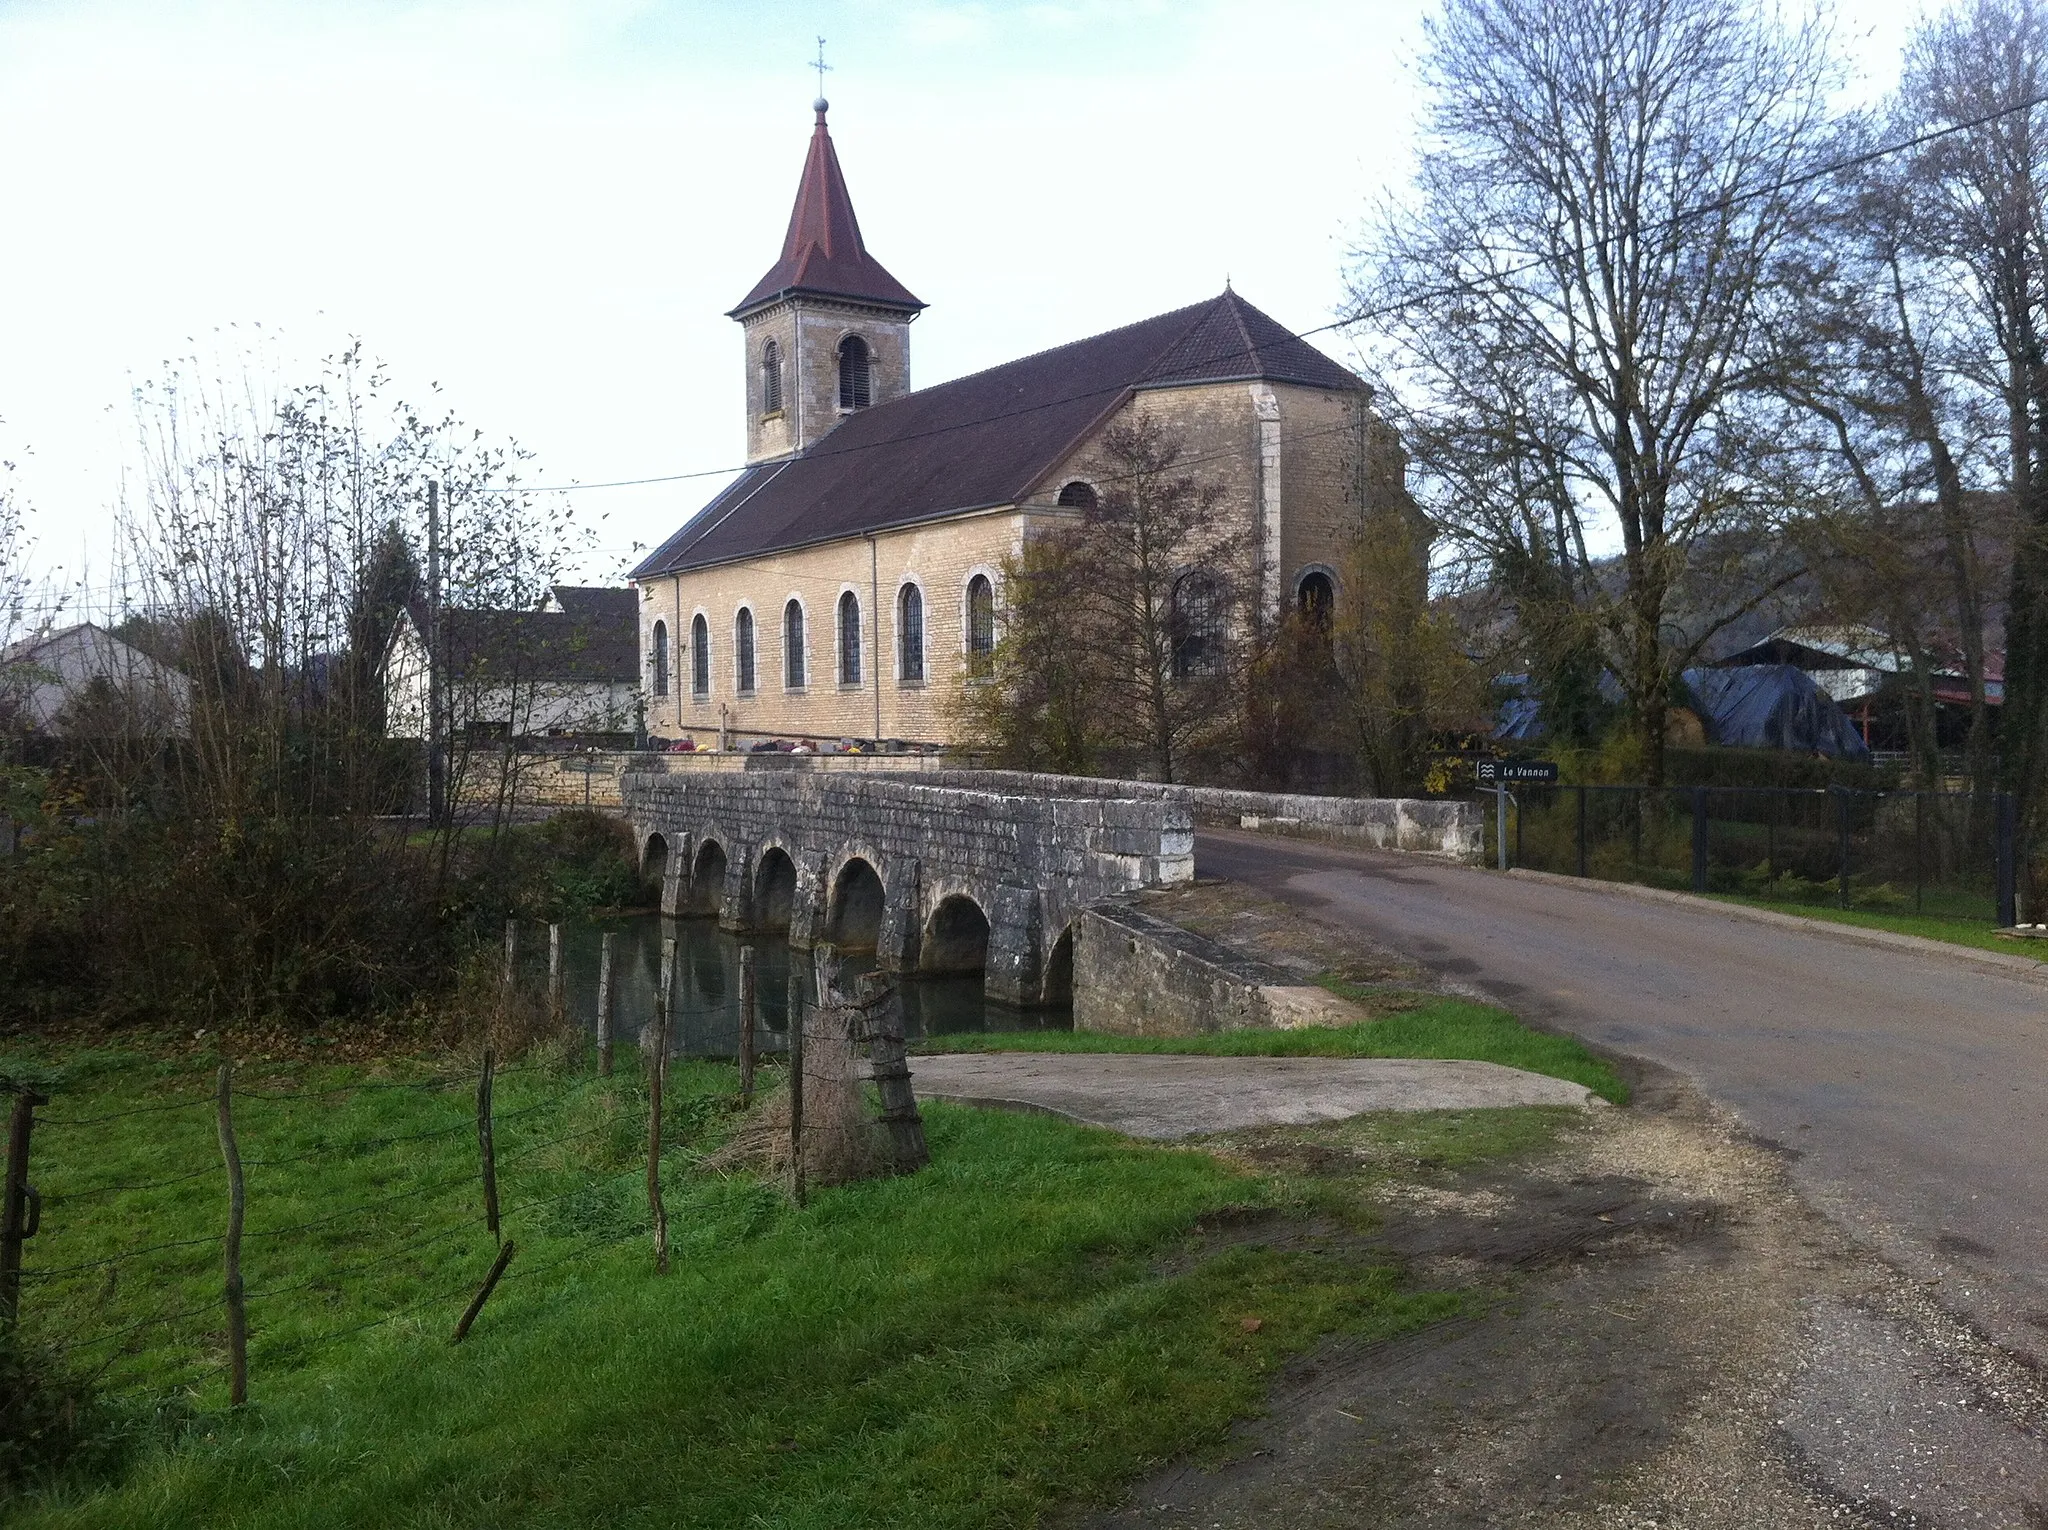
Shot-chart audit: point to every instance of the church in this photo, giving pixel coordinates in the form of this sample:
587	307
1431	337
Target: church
850	581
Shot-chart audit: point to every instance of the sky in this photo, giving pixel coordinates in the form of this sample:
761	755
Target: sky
544	207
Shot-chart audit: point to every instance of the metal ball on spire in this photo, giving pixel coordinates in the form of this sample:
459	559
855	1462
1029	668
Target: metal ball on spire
821	106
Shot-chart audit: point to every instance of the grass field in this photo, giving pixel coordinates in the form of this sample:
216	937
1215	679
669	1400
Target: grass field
1435	1027
966	1346
1960	932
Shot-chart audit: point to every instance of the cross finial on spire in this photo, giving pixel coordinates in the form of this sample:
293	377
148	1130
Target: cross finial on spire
822	67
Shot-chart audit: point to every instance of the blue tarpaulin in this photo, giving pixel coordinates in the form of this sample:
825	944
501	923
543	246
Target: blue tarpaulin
1773	706
1757	706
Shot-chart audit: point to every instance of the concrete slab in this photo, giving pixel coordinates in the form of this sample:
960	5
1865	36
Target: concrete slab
1168	1096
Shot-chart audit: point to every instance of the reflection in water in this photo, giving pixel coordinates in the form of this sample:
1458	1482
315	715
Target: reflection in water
706	1016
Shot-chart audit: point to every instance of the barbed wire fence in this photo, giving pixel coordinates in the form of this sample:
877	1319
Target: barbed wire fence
196	1277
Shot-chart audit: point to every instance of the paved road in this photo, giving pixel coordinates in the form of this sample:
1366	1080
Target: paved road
1913	1089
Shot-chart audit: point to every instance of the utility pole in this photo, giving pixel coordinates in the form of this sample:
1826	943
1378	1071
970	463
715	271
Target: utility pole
437	769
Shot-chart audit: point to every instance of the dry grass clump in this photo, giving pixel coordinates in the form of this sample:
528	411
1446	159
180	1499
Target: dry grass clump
842	1141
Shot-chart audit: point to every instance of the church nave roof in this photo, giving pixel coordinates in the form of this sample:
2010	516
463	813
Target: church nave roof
986	439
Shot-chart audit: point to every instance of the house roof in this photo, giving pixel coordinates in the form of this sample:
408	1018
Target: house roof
596	603
984	440
539	645
822	253
85	637
1858	647
1849	647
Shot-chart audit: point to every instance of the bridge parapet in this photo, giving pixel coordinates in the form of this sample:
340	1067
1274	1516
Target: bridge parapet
1450	828
909	865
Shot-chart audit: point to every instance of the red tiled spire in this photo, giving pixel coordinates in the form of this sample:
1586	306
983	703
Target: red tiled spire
823	253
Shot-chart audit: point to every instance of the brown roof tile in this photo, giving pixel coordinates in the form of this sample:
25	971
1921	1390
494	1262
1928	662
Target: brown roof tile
987	439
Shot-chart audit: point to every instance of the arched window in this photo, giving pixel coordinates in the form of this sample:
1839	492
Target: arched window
700	656
849	639
771	378
981	625
1318	598
1078	496
853	373
793	645
910	635
1197	626
661	658
743	652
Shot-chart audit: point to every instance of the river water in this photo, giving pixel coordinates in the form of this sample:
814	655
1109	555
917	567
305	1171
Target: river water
706	1010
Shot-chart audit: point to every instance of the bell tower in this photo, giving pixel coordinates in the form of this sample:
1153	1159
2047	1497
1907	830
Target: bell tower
827	329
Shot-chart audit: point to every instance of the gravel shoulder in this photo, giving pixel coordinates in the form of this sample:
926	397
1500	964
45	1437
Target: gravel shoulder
1675	1319
1660	1333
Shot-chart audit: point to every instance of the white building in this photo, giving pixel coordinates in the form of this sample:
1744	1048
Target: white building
572	667
82	679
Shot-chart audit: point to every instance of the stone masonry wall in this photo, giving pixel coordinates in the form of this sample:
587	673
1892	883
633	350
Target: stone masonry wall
1137	975
1029	859
940	559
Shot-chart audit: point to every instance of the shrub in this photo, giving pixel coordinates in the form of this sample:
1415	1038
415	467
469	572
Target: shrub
51	1421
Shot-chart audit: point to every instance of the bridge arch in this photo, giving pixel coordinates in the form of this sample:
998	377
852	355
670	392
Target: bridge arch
956	936
654	857
774	891
873	854
853	917
1058	987
707	881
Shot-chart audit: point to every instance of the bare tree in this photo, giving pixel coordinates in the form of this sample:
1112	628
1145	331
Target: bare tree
1167	586
1579	299
1979	71
272	536
1126	628
14	586
1877	371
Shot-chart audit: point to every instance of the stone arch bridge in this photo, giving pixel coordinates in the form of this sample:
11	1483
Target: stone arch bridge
934	877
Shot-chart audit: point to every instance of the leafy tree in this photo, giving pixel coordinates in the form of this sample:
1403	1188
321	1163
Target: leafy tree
391	581
1406	678
1039	705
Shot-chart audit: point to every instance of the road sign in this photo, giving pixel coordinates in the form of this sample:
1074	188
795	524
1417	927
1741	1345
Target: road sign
1508	772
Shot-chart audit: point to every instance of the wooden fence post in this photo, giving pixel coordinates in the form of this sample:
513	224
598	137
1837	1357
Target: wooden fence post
21	1209
238	1315
511	954
557	1003
657	1067
1841	796
604	1005
490	1284
746	1034
486	1146
796	1084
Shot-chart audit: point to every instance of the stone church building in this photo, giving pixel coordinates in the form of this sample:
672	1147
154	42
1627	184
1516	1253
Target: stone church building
849	582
